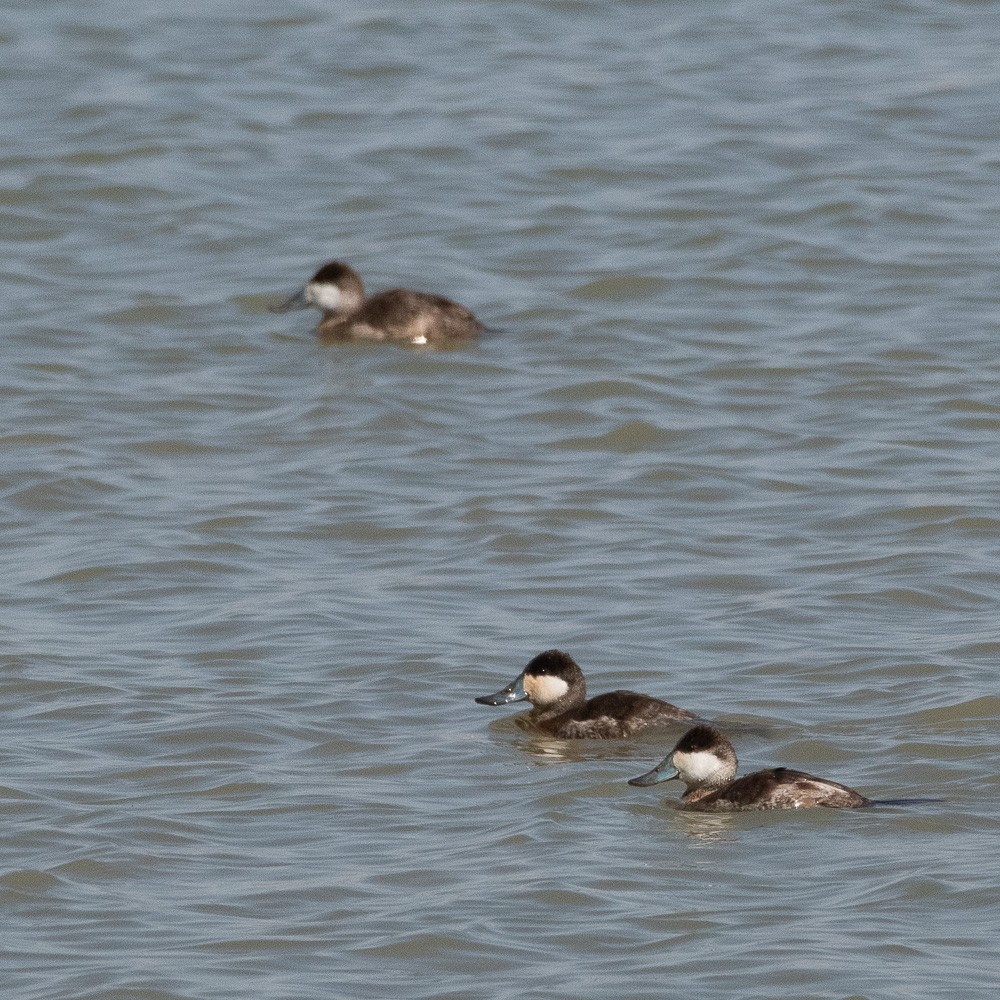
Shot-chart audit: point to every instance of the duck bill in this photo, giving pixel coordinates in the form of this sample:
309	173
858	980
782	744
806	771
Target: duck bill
514	691
296	301
663	771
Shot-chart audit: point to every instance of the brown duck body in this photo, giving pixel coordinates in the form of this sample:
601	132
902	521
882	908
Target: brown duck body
610	716
402	315
398	315
774	788
706	762
556	688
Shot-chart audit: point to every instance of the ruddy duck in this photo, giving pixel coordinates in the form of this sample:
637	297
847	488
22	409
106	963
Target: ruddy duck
706	762
398	315
554	685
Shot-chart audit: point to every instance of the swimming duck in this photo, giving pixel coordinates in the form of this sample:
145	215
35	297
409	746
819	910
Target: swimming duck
398	314
706	762
554	685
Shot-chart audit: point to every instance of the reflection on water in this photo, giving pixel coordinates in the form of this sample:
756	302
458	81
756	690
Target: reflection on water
707	829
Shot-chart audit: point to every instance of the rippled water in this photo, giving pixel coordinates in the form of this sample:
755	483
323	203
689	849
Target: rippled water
735	444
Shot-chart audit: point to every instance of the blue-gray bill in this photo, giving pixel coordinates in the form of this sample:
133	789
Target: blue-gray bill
514	691
296	301
663	771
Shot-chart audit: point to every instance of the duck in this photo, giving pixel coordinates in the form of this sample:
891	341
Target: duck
554	684
706	762
398	315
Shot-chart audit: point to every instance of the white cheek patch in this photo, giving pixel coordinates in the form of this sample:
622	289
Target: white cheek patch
544	690
324	295
696	767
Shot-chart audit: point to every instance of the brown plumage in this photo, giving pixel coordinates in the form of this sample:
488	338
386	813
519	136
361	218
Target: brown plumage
706	762
776	788
556	688
399	314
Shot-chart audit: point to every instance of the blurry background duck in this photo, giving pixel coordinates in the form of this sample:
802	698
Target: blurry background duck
554	685
397	315
706	762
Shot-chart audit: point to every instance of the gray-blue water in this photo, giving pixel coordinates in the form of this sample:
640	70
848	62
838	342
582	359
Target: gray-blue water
735	444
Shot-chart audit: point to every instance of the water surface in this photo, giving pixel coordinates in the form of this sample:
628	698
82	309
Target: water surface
734	444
